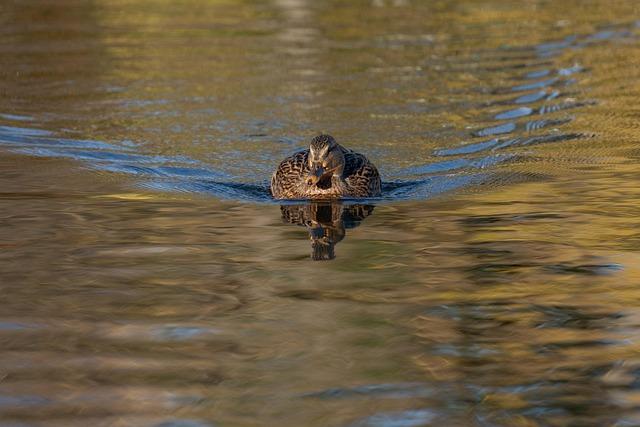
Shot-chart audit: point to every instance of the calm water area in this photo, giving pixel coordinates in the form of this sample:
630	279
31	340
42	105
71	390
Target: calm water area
148	279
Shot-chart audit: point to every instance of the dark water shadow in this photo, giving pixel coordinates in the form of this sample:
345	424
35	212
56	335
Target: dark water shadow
326	223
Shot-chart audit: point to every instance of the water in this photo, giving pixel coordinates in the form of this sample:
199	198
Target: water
148	279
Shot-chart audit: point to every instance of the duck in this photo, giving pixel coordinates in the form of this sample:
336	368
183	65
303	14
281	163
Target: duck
326	170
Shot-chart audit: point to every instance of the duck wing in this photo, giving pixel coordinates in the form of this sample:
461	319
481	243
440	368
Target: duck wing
361	175
286	180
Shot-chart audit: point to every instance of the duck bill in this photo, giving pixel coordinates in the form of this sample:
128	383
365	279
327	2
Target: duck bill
317	173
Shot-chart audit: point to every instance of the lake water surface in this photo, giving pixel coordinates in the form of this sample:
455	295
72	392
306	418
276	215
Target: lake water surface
148	279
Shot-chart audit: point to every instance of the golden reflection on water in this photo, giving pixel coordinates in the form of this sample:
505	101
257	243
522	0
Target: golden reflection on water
509	303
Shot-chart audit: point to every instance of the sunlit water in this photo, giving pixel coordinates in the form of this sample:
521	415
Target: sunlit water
148	279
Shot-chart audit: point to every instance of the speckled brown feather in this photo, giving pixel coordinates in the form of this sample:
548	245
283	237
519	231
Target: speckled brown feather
361	177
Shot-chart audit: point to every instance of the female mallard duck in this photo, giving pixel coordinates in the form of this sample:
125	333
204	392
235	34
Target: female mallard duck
326	170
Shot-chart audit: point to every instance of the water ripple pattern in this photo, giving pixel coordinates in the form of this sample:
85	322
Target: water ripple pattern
514	127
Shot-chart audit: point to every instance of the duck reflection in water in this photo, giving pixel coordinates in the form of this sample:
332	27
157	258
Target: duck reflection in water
326	223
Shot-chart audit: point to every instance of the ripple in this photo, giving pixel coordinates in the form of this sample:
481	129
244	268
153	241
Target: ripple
530	97
539	124
166	171
410	418
468	148
537	74
393	391
223	190
567	71
605	35
57	143
602	35
542	139
158	332
553	95
497	144
451	165
496	130
552	108
429	187
536	85
22	401
15	326
556	45
18	131
16	117
184	423
181	333
96	157
514	114
570	70
587	269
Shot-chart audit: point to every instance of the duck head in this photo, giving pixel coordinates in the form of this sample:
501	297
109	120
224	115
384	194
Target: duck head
326	161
